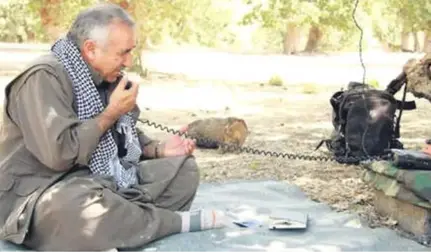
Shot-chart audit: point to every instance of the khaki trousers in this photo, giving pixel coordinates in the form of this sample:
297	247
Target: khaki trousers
83	212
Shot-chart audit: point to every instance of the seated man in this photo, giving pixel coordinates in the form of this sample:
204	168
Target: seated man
76	174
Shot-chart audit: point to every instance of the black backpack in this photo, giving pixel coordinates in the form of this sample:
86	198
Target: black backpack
365	121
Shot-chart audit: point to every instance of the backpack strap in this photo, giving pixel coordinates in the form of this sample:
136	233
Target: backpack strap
397	125
321	143
395	85
335	103
406	105
335	99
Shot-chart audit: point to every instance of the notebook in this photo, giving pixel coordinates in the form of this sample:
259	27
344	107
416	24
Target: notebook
288	220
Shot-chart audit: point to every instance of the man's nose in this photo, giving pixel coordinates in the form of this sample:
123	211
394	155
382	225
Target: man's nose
128	61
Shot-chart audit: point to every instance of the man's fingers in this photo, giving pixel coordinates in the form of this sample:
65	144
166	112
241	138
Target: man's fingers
191	146
126	84
184	129
193	143
135	87
189	149
186	146
190	142
122	82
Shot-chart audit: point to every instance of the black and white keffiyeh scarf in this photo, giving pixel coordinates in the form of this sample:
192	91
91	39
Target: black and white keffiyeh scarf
104	160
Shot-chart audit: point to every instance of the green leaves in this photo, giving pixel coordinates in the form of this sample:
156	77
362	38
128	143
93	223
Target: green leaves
386	19
276	13
255	24
18	23
182	21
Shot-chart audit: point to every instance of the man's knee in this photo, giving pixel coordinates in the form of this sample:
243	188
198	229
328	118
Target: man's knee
191	170
57	209
68	216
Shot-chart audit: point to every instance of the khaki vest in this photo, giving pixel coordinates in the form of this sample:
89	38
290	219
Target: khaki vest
22	177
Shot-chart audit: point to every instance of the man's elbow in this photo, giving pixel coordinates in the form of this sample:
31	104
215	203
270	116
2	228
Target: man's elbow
58	163
65	157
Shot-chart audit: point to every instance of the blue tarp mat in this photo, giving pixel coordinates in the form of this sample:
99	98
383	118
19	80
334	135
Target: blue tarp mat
327	230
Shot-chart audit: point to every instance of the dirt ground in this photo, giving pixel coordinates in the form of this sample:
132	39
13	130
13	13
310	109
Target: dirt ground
280	119
287	118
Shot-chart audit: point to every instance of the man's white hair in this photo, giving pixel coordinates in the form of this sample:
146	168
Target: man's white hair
93	23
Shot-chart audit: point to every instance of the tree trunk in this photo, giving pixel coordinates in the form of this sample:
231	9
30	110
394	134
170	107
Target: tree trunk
314	37
137	65
405	42
291	39
417	44
427	42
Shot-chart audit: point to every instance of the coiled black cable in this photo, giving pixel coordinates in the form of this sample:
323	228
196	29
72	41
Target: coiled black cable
295	156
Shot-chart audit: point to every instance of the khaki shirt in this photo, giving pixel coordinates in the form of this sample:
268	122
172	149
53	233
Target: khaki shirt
42	140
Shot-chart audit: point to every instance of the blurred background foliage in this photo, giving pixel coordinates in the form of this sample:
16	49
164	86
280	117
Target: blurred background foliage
246	26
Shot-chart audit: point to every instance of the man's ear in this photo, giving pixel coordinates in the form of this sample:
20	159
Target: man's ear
89	50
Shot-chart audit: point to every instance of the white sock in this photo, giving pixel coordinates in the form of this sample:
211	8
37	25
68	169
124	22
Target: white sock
201	219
